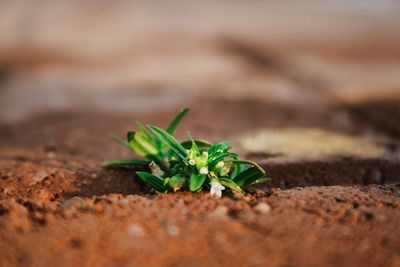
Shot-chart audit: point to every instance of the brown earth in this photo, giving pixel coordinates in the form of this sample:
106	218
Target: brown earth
309	90
60	208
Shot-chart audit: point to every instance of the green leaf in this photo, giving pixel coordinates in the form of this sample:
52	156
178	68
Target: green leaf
171	142
201	144
176	167
135	146
194	147
230	184
218	158
130	135
141	128
248	177
153	181
249	162
196	181
146	144
194	150
142	146
219	148
120	141
166	181
176	182
175	122
238	168
148	135
262	180
125	163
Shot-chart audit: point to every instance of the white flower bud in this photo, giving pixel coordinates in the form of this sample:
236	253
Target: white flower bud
192	162
220	164
203	170
216	189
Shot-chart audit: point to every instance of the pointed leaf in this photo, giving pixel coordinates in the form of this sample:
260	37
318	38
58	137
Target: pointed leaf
231	184
130	135
141	128
120	141
194	147
218	158
148	135
247	177
153	181
143	147
125	163
201	144
222	147
249	162
196	181
175	122
262	180
171	142
135	146
146	144
238	168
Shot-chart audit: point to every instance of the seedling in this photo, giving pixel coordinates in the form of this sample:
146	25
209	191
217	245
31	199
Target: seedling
192	165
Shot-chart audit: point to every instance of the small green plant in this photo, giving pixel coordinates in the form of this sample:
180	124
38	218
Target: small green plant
190	165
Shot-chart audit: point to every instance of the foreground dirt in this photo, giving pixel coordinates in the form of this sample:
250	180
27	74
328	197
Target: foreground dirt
315	226
58	207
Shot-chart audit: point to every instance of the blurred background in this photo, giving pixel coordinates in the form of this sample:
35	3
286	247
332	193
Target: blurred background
148	56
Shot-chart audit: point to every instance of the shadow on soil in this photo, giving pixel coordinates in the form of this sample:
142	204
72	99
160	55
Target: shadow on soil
332	171
104	182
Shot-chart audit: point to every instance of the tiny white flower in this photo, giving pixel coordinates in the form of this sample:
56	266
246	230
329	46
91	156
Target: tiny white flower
192	162
216	189
205	153
220	164
203	170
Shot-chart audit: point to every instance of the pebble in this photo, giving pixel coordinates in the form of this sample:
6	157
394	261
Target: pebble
262	207
135	230
245	215
173	230
7	191
75	201
39	176
219	213
123	201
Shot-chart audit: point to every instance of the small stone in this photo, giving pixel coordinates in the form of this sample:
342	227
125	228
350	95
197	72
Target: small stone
135	230
75	201
123	201
173	230
40	176
245	215
7	191
219	213
18	218
262	207
70	207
